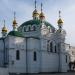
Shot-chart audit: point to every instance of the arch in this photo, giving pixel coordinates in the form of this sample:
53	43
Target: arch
48	46
55	48
34	27
34	56
51	46
29	28
66	58
59	47
24	28
17	55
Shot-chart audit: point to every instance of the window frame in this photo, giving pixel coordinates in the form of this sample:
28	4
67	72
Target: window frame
24	29
51	46
55	49
48	46
34	56
17	55
66	59
34	28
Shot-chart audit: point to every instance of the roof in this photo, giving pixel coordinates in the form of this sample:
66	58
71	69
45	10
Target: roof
15	33
37	22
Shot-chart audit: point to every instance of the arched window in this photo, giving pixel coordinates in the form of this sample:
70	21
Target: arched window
51	47
29	28
24	29
48	47
55	49
17	55
58	47
66	58
35	56
34	28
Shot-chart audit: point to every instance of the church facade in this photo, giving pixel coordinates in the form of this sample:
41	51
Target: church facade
35	46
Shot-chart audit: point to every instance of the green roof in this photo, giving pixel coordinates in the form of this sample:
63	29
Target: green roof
15	33
37	22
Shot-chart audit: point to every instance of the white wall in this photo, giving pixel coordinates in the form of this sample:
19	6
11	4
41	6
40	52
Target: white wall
64	64
33	45
4	71
46	61
17	43
49	62
1	52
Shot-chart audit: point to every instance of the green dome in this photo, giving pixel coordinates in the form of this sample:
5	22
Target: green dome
15	33
36	22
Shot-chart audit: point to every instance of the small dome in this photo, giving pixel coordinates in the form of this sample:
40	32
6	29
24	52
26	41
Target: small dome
4	29
60	21
41	15
35	13
14	22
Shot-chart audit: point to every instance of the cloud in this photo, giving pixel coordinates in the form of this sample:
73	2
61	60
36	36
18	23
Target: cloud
24	9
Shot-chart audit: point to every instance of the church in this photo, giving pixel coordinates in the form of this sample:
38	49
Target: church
35	46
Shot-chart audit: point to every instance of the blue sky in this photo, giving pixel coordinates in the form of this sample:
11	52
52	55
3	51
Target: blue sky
24	9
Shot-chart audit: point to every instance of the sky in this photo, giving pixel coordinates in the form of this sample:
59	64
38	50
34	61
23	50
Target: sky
24	9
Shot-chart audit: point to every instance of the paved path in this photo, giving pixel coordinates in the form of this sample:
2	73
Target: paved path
69	73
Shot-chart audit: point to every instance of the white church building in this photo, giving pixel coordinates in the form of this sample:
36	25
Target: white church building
35	46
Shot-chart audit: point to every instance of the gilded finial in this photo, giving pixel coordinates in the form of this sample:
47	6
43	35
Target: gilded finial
14	22
41	7
35	12
59	14
60	21
35	4
4	29
41	16
14	15
4	23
